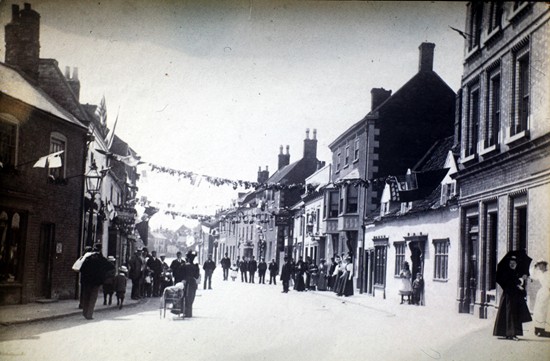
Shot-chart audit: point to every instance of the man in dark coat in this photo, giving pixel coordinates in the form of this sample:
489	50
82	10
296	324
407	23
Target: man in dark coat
178	269
243	267
93	273
134	273
225	263
262	268
286	273
155	265
252	268
273	271
208	267
192	274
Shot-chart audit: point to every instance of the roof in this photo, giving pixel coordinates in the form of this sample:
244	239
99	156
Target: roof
436	156
283	174
409	87
17	86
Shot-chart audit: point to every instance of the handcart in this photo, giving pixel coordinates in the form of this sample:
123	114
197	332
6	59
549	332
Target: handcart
173	299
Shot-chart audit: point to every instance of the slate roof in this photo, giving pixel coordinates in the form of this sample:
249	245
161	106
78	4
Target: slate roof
17	86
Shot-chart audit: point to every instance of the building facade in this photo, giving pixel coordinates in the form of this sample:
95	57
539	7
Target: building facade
504	174
398	131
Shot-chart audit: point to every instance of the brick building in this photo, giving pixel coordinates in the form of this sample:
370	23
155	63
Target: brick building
397	132
504	133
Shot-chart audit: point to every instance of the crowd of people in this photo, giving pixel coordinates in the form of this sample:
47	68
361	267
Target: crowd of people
150	275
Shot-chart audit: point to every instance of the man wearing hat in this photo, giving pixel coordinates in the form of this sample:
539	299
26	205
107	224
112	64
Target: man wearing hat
93	273
155	265
178	270
135	273
192	274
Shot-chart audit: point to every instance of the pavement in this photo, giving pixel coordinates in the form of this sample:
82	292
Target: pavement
46	309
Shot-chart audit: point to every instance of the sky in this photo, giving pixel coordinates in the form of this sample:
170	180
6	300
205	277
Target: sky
216	87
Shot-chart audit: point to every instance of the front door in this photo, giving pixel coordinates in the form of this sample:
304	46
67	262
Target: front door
45	260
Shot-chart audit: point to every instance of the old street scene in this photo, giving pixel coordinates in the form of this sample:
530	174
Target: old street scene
274	180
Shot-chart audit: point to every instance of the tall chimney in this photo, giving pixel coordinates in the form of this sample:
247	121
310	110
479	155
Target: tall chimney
74	83
284	159
310	145
426	58
378	96
22	36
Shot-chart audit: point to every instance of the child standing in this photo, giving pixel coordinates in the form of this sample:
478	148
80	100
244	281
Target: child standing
234	271
418	287
120	285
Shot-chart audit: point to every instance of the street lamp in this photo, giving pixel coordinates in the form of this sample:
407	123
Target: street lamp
93	185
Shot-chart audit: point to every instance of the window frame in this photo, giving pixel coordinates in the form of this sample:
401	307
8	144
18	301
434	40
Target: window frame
57	139
493	112
12	149
521	85
441	259
380	261
400	252
473	117
352	202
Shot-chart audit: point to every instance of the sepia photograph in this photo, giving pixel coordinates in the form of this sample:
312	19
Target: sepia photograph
274	180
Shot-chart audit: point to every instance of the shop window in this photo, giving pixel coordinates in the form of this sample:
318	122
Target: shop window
11	227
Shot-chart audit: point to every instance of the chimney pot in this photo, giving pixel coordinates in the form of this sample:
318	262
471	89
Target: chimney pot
266	168
67	72
281	149
75	73
27	6
307	133
314	133
259	168
287	149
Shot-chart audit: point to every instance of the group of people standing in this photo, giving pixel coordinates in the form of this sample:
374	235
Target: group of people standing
145	270
307	275
248	266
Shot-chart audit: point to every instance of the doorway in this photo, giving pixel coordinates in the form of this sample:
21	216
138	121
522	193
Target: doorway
45	260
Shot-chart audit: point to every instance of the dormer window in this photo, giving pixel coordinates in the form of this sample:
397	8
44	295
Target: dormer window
448	191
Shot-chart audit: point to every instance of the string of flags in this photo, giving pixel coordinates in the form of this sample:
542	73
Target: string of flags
52	160
195	179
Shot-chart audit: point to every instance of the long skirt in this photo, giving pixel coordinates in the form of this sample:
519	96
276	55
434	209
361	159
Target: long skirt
512	312
322	282
299	284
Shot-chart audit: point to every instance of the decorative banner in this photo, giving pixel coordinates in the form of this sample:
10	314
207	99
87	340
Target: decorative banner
52	160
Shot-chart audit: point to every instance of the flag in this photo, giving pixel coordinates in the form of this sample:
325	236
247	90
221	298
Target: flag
102	112
111	135
52	160
461	33
129	160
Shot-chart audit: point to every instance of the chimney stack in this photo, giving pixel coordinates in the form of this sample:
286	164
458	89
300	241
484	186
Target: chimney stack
284	159
263	175
378	96
74	83
310	145
22	37
426	58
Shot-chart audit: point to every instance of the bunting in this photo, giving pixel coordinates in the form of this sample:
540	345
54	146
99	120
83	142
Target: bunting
52	160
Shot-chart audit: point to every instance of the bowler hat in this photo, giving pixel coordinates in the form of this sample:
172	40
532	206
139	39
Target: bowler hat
111	259
123	269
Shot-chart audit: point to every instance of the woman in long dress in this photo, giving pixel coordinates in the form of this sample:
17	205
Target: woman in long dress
541	312
299	284
512	311
347	278
322	279
337	275
406	286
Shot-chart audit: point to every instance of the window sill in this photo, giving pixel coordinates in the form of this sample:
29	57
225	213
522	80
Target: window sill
489	150
514	15
523	135
468	159
493	35
440	280
356	160
473	52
